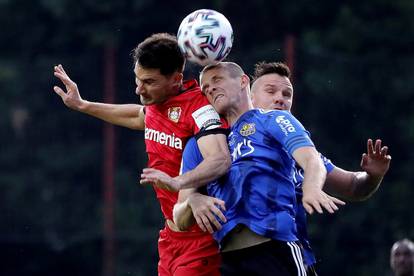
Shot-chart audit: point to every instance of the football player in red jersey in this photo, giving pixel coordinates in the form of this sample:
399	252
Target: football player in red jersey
174	111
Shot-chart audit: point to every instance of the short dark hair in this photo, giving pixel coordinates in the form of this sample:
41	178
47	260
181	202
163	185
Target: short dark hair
160	51
264	68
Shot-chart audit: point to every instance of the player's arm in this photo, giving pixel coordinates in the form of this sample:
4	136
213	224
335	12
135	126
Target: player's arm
182	213
194	207
126	115
314	177
216	162
290	132
361	185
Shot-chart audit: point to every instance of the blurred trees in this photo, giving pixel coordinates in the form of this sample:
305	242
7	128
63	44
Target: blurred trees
352	80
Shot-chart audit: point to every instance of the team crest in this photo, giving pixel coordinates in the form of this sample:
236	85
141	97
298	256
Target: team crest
248	129
174	114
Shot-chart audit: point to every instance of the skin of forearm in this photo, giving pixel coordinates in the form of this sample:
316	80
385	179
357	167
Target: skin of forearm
207	171
183	215
126	115
314	174
364	185
353	186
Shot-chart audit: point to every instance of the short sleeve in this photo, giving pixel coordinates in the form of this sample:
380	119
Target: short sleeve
288	131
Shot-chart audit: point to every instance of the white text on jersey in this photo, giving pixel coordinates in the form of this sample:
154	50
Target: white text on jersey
284	124
163	139
240	149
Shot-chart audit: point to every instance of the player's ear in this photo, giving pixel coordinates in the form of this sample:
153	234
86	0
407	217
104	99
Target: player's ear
245	81
178	78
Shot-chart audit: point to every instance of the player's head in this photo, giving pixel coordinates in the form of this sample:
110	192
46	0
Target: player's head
159	65
271	88
225	85
402	258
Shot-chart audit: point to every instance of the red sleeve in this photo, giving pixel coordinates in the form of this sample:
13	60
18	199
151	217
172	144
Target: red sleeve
205	116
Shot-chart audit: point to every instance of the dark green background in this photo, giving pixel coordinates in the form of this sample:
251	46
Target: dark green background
353	80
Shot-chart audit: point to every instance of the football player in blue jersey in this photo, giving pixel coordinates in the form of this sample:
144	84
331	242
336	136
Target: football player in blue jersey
259	236
272	89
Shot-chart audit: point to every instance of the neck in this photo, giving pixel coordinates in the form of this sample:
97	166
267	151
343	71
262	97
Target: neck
233	114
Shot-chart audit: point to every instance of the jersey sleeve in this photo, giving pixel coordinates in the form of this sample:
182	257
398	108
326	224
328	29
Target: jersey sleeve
328	164
288	131
206	118
191	156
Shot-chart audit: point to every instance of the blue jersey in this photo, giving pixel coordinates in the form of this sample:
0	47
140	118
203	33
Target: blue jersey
258	190
301	224
191	156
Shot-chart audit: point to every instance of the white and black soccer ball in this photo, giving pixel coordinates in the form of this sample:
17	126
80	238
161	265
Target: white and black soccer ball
205	37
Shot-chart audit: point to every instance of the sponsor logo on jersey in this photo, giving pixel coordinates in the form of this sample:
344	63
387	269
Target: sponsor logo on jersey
242	149
284	124
163	138
174	113
206	117
248	129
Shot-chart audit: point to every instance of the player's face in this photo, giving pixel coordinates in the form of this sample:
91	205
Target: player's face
222	91
402	260
153	87
272	91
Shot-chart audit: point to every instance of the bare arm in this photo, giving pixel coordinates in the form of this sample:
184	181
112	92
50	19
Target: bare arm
182	213
126	115
216	163
361	185
314	177
194	207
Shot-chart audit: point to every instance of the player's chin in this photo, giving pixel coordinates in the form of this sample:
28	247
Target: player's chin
147	101
219	106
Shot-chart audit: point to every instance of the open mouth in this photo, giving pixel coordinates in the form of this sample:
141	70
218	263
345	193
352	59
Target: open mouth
218	97
278	107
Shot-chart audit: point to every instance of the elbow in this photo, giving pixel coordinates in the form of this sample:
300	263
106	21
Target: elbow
181	226
178	223
136	124
181	223
364	186
359	196
179	219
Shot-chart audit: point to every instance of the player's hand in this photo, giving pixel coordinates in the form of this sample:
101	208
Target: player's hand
315	199
207	211
71	97
159	179
376	161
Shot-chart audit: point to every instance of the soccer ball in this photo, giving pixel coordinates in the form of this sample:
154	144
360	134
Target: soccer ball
205	37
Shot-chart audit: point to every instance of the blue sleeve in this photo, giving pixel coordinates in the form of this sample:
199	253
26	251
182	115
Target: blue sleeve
286	129
191	156
328	164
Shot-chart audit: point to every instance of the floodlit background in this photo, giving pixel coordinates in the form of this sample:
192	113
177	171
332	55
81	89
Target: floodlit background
60	211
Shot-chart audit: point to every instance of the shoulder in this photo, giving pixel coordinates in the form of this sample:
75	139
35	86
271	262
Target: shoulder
264	115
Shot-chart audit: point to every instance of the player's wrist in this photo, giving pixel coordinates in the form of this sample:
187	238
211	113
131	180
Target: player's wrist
83	106
193	199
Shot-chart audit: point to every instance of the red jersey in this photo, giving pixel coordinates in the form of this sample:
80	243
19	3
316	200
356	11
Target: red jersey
168	126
